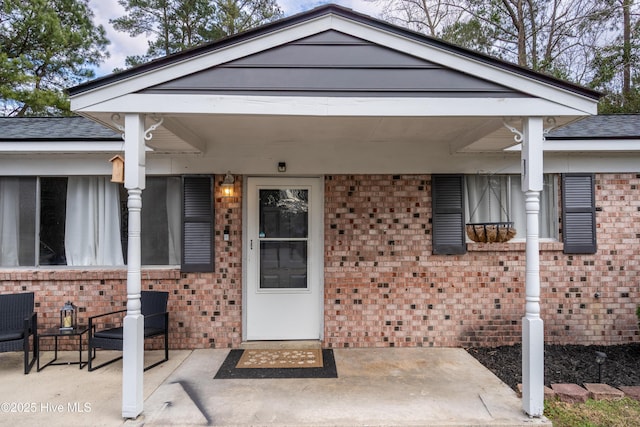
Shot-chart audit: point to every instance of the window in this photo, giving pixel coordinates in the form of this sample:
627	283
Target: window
160	216
499	198
82	221
17	221
459	199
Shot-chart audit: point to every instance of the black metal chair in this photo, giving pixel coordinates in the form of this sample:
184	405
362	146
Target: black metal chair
18	322
156	323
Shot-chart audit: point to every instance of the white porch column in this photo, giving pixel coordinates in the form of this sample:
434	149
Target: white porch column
532	325
133	345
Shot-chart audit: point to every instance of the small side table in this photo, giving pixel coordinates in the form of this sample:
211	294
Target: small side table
55	333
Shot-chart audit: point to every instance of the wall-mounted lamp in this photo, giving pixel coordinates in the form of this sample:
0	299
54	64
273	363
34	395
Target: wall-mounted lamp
282	167
227	185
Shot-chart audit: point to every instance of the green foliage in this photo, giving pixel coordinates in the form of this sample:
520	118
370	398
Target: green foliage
618	103
45	46
614	68
472	34
595	43
176	25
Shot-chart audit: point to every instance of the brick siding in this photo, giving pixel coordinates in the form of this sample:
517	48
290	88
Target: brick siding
383	286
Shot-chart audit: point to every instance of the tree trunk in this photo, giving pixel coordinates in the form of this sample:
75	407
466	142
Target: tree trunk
522	44
626	53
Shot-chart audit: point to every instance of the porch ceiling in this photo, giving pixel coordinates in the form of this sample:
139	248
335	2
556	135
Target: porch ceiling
202	133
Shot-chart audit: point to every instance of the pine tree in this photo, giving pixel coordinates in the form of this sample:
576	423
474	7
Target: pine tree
45	47
175	25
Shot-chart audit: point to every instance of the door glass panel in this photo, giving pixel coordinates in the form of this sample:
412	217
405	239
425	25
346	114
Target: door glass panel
283	236
283	213
283	264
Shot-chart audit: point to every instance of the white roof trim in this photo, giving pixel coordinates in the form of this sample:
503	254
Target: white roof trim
587	145
53	147
578	104
330	106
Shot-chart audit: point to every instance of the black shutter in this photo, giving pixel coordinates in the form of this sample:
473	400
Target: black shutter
448	214
197	224
578	214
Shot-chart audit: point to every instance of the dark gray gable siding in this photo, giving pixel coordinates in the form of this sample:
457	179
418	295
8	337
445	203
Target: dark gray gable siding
337	64
578	213
327	10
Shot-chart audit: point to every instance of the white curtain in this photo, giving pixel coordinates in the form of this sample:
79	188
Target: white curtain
487	198
174	218
499	198
92	228
9	221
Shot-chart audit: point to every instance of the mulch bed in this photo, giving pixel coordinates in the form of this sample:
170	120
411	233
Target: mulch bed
574	364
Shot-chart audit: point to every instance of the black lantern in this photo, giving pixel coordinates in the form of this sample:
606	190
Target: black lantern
68	317
600	359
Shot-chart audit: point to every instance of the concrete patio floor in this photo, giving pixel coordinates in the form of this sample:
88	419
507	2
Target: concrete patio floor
390	387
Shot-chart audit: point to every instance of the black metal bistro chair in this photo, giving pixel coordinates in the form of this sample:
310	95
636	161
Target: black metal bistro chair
18	322
156	323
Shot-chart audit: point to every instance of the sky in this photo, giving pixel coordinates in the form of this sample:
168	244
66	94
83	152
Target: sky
122	45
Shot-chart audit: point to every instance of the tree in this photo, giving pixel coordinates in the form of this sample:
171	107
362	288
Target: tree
424	16
46	46
175	25
549	36
235	16
614	65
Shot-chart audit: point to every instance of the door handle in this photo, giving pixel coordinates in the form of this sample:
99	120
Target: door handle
251	244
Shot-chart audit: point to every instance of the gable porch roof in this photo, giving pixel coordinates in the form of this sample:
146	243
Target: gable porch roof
207	94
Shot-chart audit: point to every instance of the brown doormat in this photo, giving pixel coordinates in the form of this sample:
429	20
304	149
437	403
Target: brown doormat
229	368
281	358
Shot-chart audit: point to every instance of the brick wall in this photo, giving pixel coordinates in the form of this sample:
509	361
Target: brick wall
205	308
383	287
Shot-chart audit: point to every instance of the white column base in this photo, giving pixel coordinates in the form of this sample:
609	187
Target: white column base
133	366
533	366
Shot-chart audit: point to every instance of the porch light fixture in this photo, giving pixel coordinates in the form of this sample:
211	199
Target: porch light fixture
282	167
600	358
227	185
68	317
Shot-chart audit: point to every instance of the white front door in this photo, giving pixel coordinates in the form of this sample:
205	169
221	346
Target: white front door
284	287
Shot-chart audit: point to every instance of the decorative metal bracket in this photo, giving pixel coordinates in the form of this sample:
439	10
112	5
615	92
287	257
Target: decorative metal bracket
147	133
115	118
518	137
552	125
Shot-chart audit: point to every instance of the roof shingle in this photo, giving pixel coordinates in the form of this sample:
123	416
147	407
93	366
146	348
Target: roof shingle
54	129
609	126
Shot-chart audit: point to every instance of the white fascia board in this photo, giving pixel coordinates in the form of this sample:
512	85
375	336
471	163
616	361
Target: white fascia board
61	147
586	145
330	106
574	101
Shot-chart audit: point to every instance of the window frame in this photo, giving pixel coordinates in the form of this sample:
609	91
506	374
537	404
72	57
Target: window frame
37	206
553	203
